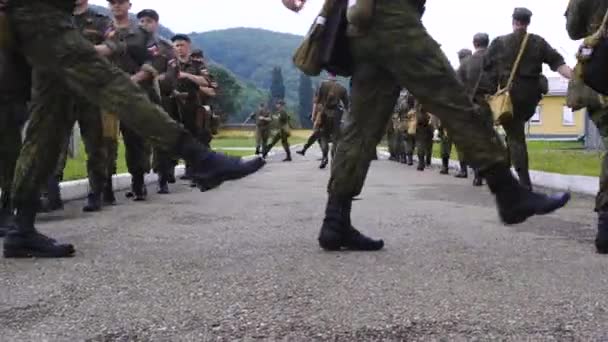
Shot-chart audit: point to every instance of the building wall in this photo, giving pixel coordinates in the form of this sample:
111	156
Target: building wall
552	121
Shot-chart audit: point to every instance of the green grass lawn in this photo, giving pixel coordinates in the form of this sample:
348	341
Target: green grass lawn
569	158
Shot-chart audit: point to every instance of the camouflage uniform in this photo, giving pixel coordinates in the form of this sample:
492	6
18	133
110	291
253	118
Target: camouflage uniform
583	19
137	150
526	91
424	137
15	86
393	51
282	133
471	75
329	95
93	26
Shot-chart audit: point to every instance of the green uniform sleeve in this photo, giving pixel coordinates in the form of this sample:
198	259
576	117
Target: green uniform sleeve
551	57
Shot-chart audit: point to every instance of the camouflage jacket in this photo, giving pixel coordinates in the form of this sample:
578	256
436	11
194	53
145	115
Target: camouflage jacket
502	54
331	93
583	17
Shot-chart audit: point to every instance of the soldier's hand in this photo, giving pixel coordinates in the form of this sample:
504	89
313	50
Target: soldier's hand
294	5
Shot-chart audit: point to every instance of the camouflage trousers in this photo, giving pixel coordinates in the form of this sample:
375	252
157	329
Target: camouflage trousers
600	118
446	144
52	44
89	122
262	134
396	51
10	145
424	141
280	135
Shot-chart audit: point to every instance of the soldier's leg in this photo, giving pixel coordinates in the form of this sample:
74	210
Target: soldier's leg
419	65
518	149
429	146
91	130
49	42
311	140
421	146
50	124
446	151
137	157
409	144
600	118
258	140
463	172
285	143
110	145
275	139
10	145
374	92
51	190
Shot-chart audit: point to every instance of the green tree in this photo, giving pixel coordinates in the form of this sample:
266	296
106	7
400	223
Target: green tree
277	87
305	95
229	91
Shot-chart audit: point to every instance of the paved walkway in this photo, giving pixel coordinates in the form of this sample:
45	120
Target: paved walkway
242	263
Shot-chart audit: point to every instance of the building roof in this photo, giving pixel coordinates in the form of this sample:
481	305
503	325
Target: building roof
558	86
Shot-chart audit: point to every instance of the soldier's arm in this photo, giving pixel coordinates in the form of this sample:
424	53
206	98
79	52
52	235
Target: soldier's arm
578	16
555	60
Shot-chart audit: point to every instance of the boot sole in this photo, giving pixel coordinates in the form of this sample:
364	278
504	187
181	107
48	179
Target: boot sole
212	182
28	254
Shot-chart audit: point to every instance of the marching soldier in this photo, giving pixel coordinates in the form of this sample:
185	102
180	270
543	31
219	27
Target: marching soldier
527	87
281	120
382	63
332	98
471	75
263	118
584	18
424	136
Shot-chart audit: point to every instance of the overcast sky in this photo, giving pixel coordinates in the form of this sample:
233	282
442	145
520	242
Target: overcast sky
451	22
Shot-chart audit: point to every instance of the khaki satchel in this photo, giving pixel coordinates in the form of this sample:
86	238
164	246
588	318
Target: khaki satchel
500	103
110	125
307	57
412	122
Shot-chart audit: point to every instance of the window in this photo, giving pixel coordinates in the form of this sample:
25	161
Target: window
536	118
567	116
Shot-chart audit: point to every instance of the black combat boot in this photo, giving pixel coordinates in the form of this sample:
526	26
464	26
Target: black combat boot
429	160
464	172
324	163
24	241
421	162
337	232
211	169
138	188
445	166
477	181
601	240
108	192
93	203
54	194
163	184
410	159
288	156
514	202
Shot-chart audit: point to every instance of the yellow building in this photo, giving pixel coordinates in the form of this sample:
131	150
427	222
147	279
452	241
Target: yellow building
554	120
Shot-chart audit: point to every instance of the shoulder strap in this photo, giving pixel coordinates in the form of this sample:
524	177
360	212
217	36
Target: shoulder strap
518	60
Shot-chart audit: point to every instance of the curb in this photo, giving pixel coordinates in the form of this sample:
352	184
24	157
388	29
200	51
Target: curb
79	189
586	185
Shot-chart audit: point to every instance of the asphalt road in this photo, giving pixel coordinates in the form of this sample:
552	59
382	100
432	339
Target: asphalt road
242	263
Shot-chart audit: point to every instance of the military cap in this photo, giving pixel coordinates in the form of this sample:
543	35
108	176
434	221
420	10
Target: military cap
522	14
148	13
180	36
464	53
